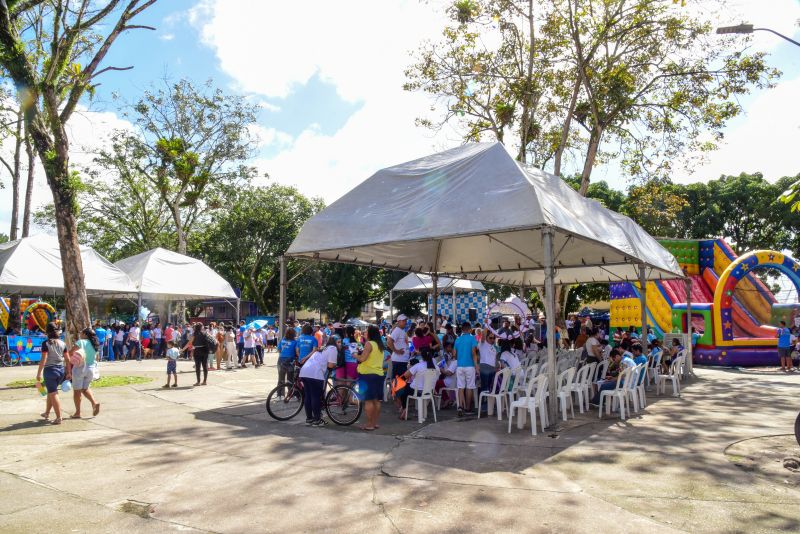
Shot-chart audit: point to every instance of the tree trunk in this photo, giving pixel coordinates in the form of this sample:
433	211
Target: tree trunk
591	155
12	234
565	129
26	214
176	218
56	167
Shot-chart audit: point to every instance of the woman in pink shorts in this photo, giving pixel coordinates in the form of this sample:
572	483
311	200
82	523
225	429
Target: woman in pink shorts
351	348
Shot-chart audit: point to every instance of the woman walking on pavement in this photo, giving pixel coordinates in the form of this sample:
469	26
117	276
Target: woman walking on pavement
52	367
83	374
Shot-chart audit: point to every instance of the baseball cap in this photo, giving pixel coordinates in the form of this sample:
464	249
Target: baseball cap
402	317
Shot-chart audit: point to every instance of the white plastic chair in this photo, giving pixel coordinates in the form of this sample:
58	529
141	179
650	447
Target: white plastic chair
422	397
588	382
387	383
535	398
453	389
517	388
673	376
654	368
618	394
578	386
600	371
564	383
632	386
498	394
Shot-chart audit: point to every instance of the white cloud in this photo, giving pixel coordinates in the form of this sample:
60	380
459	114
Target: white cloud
167	36
360	49
269	137
765	140
88	131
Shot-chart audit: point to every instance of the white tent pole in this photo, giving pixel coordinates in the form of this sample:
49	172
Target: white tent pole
549	311
391	306
455	321
435	295
282	298
138	312
643	304
688	368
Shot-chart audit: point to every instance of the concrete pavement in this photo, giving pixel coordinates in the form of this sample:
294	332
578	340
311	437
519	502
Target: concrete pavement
210	459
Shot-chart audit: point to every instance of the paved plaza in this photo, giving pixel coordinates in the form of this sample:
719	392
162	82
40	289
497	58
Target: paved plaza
210	459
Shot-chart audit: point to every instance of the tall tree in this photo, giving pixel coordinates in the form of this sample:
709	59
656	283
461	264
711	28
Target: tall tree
49	87
652	82
655	206
11	127
191	141
495	74
245	241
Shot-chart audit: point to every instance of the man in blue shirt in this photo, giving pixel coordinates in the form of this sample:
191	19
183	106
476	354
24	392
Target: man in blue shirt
101	338
785	346
466	347
306	343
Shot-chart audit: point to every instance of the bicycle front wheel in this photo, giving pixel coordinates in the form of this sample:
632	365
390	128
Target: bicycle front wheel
343	405
13	358
284	402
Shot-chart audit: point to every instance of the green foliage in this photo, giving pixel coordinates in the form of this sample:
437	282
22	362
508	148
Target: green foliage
643	81
192	143
244	241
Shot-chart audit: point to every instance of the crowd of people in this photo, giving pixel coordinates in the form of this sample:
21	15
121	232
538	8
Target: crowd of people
467	356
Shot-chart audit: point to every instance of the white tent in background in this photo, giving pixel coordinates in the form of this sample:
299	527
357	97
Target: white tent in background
424	283
163	274
474	212
32	265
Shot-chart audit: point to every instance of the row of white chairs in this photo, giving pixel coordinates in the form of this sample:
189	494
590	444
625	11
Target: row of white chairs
627	396
523	390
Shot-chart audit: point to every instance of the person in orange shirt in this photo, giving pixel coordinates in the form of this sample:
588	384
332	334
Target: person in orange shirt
320	337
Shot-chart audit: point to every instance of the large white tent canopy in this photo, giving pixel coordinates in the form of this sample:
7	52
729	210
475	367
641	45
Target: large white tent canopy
474	212
424	283
163	274
32	265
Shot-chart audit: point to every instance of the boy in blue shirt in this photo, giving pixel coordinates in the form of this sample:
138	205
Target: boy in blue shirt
785	346
466	347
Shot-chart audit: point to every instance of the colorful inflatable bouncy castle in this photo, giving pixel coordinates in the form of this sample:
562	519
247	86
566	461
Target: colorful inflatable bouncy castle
733	310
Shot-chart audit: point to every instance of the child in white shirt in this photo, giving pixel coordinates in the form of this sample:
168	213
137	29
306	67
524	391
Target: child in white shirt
172	364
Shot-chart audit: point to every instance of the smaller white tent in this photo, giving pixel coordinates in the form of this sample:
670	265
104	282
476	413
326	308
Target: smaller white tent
32	265
424	283
163	274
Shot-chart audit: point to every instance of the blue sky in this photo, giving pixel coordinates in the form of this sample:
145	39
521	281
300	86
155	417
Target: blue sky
329	78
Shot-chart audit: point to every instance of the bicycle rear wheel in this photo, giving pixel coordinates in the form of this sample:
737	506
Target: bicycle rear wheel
343	405
13	358
284	401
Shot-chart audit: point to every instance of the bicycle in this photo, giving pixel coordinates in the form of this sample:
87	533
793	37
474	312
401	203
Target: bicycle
340	401
8	357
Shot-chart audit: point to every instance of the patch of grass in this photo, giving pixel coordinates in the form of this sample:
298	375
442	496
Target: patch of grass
102	382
